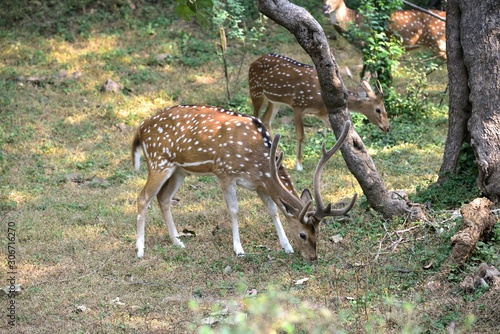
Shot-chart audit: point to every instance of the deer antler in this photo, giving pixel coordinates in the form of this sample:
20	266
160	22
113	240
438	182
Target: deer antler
365	84
273	163
322	211
276	178
379	87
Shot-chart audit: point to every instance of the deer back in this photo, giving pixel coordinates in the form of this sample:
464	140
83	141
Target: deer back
203	139
414	27
285	81
417	28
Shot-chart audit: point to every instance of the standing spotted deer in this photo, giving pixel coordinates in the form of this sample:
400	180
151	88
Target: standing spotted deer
281	80
238	150
416	28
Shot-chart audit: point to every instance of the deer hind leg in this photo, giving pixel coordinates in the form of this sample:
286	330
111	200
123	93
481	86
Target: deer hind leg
273	211
257	101
299	136
229	189
441	49
165	196
153	185
411	41
268	117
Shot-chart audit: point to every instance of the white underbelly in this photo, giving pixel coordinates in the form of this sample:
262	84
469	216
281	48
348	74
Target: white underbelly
246	184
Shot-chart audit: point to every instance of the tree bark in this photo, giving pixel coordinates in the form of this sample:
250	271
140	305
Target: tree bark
459	105
473	44
311	37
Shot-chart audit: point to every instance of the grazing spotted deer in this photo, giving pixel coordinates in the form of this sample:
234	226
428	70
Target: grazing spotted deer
238	150
280	81
416	28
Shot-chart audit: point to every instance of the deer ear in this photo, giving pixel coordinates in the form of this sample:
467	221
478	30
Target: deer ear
362	94
288	208
306	196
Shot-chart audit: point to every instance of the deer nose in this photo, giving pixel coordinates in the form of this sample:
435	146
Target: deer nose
326	9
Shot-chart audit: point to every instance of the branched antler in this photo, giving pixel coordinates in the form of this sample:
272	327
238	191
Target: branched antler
321	210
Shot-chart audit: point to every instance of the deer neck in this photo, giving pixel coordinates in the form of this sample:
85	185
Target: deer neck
357	105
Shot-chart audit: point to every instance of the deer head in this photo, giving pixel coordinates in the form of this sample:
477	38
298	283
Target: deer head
340	14
370	104
415	28
281	80
238	150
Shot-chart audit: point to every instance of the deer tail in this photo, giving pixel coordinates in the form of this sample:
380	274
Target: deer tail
136	151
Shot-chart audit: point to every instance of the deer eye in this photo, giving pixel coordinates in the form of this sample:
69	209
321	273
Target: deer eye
303	236
378	111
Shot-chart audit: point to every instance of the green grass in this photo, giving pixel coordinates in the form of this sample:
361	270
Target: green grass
67	182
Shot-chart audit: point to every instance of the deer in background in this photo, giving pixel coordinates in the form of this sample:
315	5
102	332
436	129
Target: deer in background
281	80
238	150
416	28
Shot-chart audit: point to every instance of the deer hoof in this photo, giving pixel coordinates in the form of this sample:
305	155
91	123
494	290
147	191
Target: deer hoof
140	254
179	243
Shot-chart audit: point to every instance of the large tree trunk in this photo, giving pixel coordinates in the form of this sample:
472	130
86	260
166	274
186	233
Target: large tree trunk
459	106
473	44
311	37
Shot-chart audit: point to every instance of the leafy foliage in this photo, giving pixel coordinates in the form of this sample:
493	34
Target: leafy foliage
201	10
230	15
380	51
271	312
414	102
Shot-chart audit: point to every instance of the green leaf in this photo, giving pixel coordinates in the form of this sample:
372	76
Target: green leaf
200	9
184	12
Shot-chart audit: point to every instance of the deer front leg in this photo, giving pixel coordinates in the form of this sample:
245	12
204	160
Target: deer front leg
232	206
165	196
273	211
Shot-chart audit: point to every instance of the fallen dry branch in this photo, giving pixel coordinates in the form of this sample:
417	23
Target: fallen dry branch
477	224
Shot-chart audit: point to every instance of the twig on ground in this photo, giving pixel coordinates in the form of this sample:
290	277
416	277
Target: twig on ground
394	243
